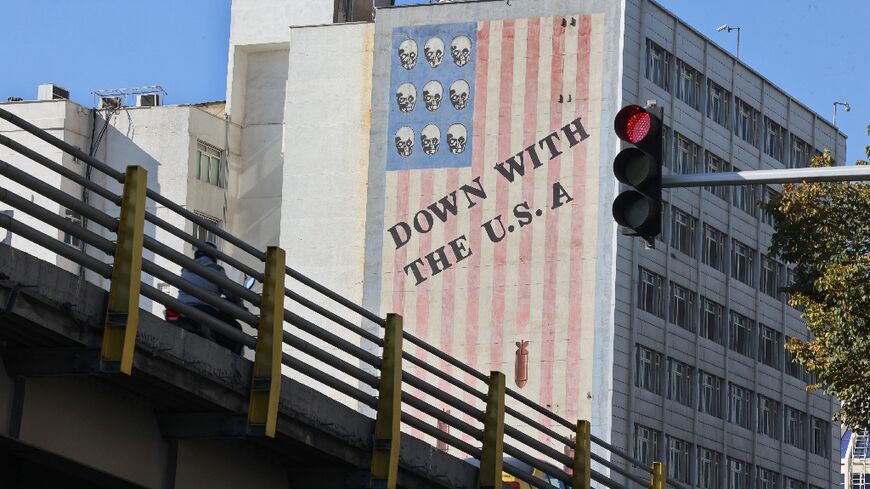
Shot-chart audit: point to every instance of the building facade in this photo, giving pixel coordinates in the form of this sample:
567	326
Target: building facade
675	353
452	163
189	151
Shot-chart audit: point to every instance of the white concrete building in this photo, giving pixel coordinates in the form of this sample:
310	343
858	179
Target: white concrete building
675	353
189	151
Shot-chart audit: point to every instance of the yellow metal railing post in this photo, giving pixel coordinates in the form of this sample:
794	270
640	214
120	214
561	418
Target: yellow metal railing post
658	475
122	314
385	453
582	473
492	454
266	376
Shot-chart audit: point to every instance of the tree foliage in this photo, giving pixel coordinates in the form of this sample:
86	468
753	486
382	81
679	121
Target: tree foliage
824	230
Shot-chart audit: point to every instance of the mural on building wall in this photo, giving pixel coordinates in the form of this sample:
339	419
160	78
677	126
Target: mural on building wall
490	205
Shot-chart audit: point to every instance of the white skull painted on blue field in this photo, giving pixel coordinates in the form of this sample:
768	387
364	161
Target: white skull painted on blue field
430	137
405	141
408	53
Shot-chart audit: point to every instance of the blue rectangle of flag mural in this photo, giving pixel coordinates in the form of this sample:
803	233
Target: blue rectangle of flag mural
432	72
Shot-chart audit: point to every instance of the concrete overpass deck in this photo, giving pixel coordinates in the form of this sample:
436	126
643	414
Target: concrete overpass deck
177	422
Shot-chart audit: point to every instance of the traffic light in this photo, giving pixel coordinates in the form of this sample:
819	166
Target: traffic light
639	208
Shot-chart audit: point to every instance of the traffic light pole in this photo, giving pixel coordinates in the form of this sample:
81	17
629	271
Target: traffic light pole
754	177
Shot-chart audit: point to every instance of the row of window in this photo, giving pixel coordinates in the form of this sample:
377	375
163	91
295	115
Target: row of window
719	101
860	480
771	419
683	156
710	320
708	465
680	231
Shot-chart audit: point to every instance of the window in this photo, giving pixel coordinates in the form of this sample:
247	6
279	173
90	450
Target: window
741	262
649	368
770	273
792	367
766	479
713	253
685	155
738	474
714	164
682	307
768	417
820	434
678	459
680	382
646	444
658	65
718	103
861	442
208	168
649	293
769	195
740	334
769	347
794	427
712	320
860	480
743	197
688	85
683	231
709	394
75	218
789	483
774	140
201	233
745	122
739	402
800	153
709	466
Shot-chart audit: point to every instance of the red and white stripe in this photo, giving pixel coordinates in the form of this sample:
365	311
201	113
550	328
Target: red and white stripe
535	284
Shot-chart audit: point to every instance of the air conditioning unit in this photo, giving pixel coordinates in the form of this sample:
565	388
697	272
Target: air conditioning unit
148	100
50	91
58	93
110	103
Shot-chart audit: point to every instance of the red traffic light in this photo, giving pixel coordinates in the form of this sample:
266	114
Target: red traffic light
634	123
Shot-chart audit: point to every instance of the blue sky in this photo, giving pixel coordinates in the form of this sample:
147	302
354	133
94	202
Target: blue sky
817	50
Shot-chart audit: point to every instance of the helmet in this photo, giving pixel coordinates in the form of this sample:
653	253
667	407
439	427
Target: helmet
198	251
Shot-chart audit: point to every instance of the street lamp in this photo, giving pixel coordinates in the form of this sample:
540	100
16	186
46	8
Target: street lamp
728	28
845	105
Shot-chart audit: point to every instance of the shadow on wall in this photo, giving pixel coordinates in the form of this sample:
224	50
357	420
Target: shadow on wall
119	151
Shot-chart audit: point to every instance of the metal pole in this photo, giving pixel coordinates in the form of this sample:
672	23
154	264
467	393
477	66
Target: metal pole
738	42
753	177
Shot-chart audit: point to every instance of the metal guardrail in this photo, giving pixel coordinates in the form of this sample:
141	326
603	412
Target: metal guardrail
482	424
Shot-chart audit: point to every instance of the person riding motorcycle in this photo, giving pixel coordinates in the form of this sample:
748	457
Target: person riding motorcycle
202	258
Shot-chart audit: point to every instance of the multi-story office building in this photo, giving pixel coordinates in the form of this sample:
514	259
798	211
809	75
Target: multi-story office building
710	386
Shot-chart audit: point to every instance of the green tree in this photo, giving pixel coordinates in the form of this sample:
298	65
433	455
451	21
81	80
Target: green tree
824	230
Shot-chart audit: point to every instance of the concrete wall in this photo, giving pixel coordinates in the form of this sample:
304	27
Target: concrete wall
164	141
69	122
254	24
325	162
537	66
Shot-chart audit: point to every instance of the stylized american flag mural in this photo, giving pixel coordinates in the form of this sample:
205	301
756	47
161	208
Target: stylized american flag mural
520	80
